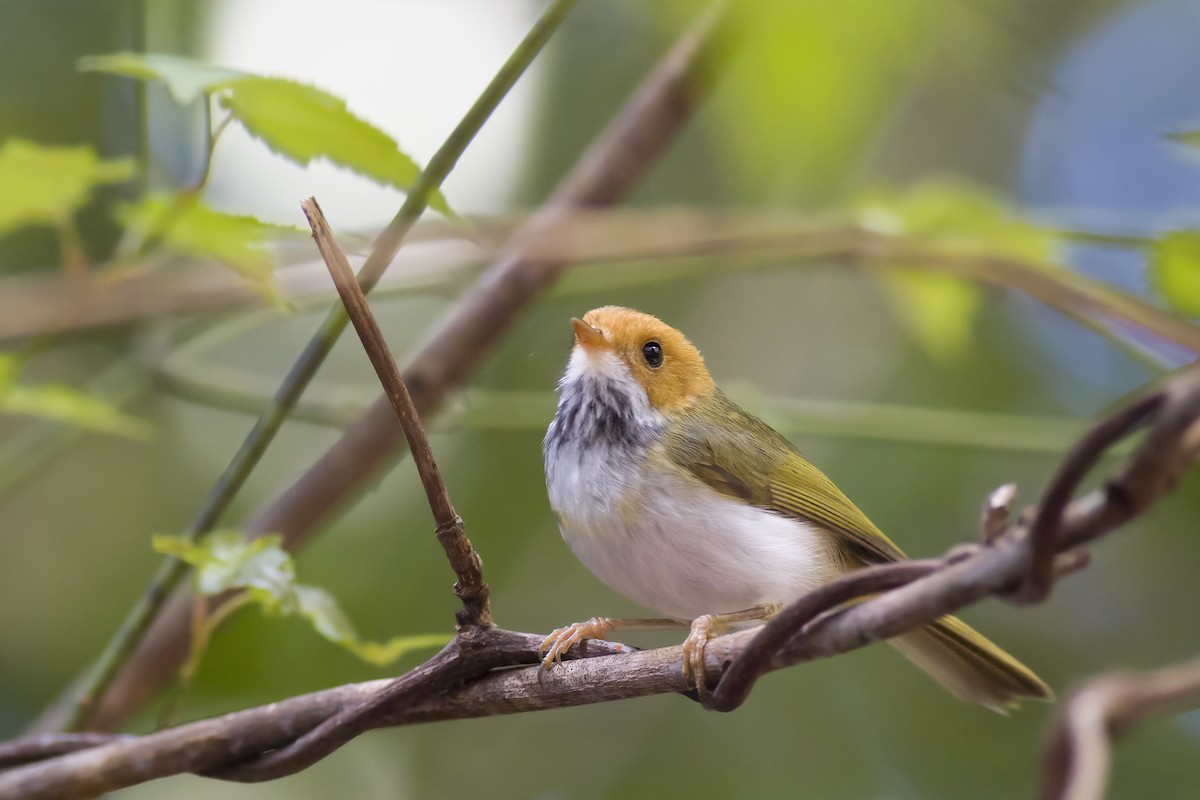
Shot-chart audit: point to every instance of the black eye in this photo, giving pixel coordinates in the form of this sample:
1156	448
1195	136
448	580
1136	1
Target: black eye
652	352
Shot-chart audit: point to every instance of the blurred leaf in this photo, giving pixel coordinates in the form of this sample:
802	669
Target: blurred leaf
383	653
1175	270
1190	138
226	560
186	225
303	123
44	185
815	81
957	215
63	404
327	619
185	78
940	310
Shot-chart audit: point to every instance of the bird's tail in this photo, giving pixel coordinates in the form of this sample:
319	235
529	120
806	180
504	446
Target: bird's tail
970	667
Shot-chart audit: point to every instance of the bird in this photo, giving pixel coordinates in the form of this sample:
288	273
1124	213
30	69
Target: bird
677	498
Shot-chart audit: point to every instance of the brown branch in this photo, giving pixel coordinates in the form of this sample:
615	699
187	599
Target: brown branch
1080	461
612	166
30	305
755	659
464	560
1078	755
445	688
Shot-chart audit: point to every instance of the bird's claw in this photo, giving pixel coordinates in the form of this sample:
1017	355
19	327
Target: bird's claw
563	639
693	654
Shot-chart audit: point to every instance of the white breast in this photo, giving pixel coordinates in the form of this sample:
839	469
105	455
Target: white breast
678	547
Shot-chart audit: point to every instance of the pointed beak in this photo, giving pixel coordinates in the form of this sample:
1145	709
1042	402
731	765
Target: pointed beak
586	335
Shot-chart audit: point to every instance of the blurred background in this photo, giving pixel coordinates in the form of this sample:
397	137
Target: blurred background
917	397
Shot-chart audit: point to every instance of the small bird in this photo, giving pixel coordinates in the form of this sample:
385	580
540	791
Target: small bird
677	498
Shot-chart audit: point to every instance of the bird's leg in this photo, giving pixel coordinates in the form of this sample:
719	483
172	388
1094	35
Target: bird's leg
703	629
561	640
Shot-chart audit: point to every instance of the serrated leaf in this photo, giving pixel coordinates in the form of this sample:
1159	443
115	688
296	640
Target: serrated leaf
225	560
43	185
940	310
61	403
1175	270
185	78
303	123
186	225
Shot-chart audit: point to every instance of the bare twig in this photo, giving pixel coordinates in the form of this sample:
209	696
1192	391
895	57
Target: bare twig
806	630
997	511
464	560
1078	755
621	155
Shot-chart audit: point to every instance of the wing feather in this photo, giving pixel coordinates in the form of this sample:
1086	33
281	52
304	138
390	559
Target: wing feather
742	457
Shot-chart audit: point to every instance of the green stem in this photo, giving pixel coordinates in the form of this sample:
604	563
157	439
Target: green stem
172	571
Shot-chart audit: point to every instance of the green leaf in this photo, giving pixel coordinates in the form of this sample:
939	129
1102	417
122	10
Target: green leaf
225	560
327	618
957	215
319	607
60	403
43	185
940	310
380	654
185	78
303	123
1175	270
937	309
186	225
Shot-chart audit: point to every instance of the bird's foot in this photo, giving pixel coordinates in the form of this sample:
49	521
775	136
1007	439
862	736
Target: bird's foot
563	639
693	653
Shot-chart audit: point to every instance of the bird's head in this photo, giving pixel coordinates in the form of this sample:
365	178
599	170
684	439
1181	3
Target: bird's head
627	346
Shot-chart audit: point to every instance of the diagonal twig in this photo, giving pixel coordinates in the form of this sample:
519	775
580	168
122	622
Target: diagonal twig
84	697
464	560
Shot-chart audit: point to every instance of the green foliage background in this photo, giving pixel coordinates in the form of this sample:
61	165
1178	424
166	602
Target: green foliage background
827	102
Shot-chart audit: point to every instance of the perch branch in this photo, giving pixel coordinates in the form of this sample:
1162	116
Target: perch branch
822	626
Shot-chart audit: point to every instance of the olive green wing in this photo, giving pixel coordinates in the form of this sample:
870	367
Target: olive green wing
742	457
